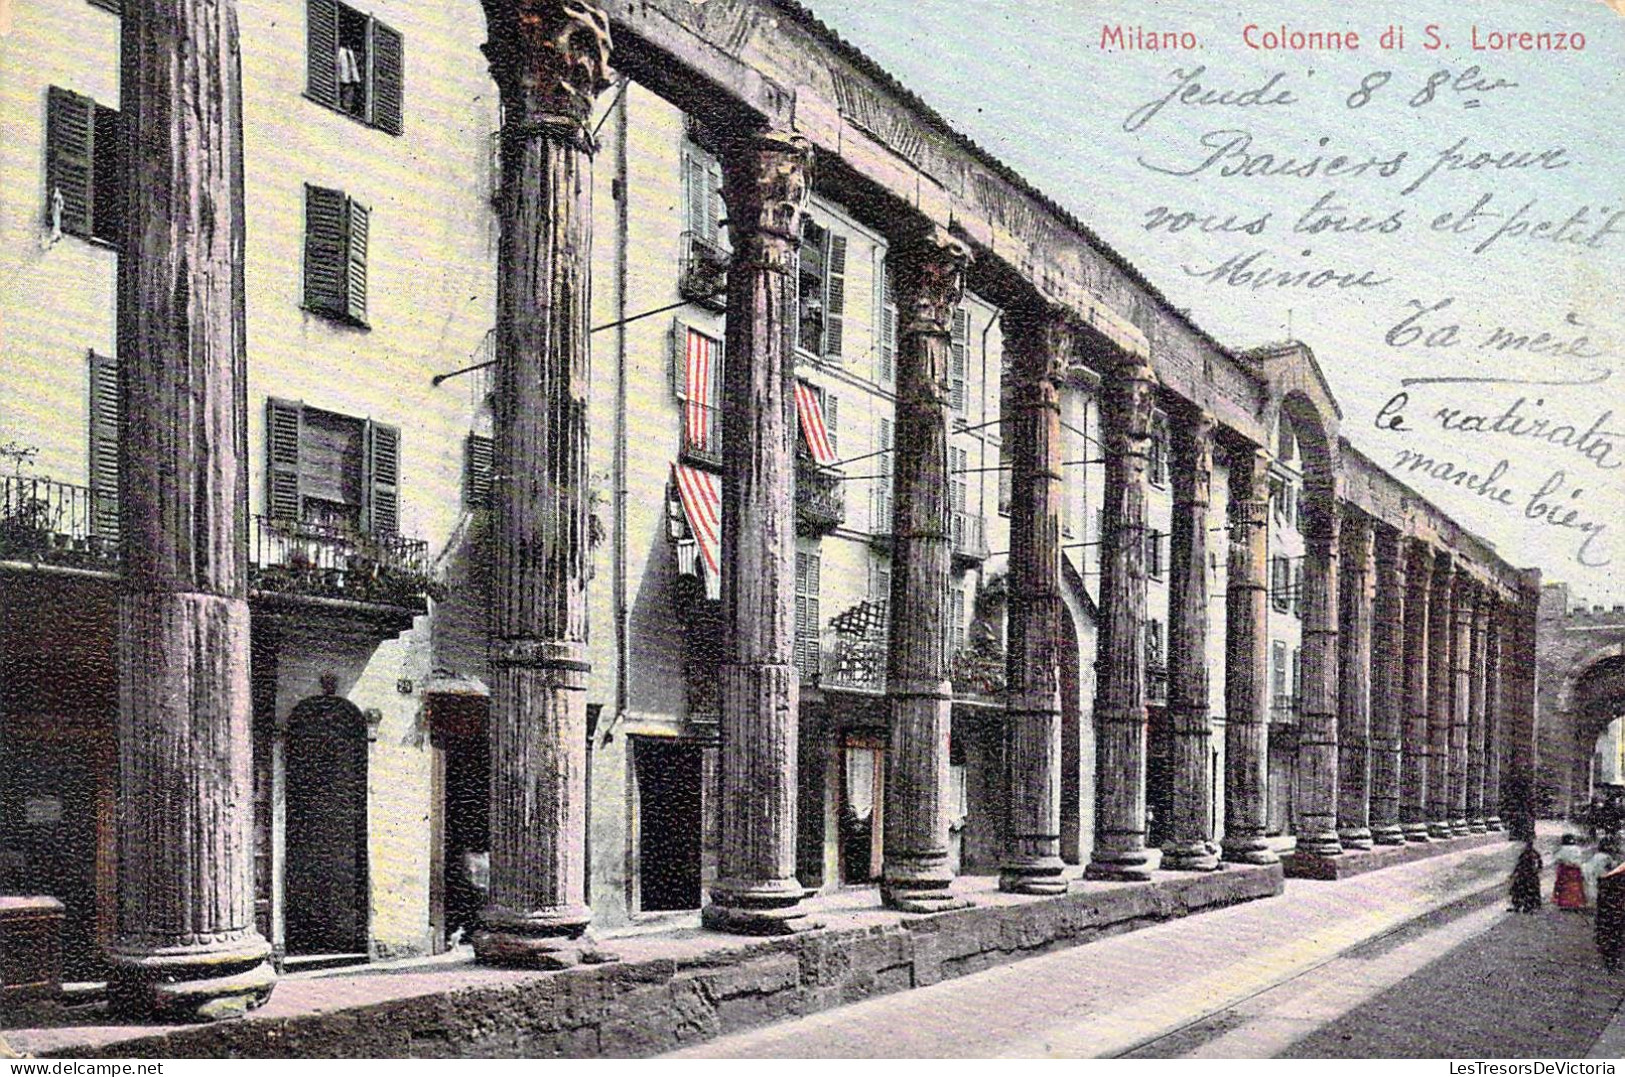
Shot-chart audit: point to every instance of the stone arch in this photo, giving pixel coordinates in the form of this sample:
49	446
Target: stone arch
1595	697
326	877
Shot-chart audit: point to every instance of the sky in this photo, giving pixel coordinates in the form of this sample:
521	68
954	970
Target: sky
1031	83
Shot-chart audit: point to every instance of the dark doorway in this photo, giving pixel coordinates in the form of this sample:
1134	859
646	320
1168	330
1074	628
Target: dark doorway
1159	776
1283	773
863	806
325	888
462	848
669	823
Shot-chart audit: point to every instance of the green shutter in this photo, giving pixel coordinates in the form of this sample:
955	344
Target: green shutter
284	420
322	51
832	423
70	133
356	263
388	78
381	483
835	295
956	371
478	458
326	251
883	481
105	430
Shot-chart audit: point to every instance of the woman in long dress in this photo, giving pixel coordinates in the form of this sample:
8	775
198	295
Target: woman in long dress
1570	890
1526	881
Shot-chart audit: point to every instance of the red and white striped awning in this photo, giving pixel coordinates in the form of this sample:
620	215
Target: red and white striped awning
701	493
699	369
811	413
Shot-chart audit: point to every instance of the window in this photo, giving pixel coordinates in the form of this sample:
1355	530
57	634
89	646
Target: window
807	622
106	426
1153	554
331	470
882	523
1297	590
956	627
697	365
958	479
958	346
1280	583
1278	499
886	329
1157	461
880	586
335	255
84	167
1278	674
1297	678
821	291
354	64
705	256
1006	483
830	407
479	458
1153	645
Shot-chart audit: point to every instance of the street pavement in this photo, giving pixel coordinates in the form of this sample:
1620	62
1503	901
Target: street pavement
1418	960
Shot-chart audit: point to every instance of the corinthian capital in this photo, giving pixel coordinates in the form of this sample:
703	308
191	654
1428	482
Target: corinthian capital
550	58
766	180
932	280
1041	343
1131	396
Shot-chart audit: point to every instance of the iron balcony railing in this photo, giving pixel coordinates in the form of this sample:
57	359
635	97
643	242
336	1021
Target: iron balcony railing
57	523
702	433
704	278
293	557
970	536
855	665
820	498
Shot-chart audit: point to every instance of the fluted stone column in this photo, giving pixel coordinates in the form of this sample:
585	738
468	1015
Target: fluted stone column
1120	714
1476	822
916	877
1461	691
1492	715
186	945
1387	688
1190	847
549	61
1246	664
1355	676
1441	694
1416	751
1317	728
765	185
1039	344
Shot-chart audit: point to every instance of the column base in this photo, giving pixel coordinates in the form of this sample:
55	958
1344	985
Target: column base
548	939
1438	831
1389	834
767	908
920	900
1493	824
1037	876
1459	828
1323	845
1248	850
1121	867
1417	832
1190	856
185	986
1358	838
1477	826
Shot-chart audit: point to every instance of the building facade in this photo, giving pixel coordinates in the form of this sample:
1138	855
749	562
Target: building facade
1140	599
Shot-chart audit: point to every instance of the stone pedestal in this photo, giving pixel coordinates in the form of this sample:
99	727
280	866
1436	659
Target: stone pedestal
916	877
549	61
765	185
1190	847
1387	688
1120	714
1354	677
1416	751
1246	664
186	946
1039	345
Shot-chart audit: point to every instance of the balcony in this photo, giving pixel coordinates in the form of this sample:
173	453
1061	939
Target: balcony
970	539
820	499
702	434
978	670
704	278
1156	686
54	523
855	665
1284	708
306	560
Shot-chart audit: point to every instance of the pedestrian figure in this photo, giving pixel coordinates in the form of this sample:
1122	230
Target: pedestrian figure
1526	880
1569	892
1611	917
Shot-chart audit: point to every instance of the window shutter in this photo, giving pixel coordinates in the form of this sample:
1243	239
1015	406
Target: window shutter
807	620
715	209
105	428
70	131
326	251
356	263
478	458
835	295
107	176
381	484
880	588
959	481
956	372
322	51
388	78
883	484
283	437
832	415
888	328
1006	481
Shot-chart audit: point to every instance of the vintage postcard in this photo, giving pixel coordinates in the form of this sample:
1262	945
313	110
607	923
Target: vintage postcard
812	529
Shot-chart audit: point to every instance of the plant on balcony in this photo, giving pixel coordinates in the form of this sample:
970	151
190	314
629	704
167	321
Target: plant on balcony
26	527
979	668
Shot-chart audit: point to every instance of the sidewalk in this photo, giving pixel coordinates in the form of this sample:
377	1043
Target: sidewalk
1119	994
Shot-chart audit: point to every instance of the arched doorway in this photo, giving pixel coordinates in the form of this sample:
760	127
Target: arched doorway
1598	763
325	886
